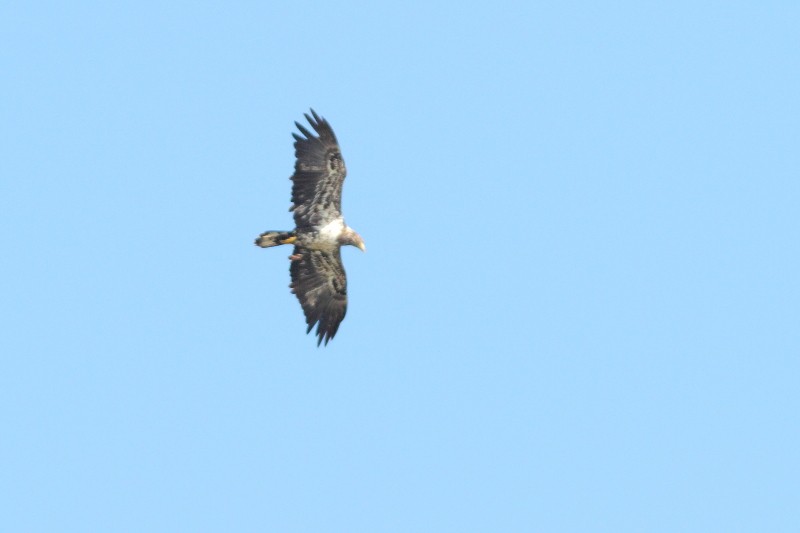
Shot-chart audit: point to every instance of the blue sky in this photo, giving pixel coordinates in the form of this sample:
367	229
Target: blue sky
578	310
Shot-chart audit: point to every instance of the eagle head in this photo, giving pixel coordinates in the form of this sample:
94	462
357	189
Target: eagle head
349	236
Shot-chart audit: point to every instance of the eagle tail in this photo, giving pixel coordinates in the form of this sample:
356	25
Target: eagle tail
275	238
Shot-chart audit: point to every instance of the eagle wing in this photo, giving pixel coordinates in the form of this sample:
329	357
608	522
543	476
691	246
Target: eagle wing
319	173
319	281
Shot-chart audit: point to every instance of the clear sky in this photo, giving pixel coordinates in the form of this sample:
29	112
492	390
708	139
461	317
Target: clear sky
578	310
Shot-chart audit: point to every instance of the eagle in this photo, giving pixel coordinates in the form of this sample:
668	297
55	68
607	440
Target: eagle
318	277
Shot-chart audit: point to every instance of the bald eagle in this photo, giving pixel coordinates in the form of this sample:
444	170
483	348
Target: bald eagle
318	278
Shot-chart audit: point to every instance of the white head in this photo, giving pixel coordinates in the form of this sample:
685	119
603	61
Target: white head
349	236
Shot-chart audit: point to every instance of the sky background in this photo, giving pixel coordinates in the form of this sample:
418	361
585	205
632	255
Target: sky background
578	310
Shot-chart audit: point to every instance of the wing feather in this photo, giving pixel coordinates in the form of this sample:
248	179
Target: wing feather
319	173
319	282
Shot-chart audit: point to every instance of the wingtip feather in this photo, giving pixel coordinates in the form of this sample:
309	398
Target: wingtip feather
304	131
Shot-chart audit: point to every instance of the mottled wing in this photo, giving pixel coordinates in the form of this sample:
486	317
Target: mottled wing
319	281
319	173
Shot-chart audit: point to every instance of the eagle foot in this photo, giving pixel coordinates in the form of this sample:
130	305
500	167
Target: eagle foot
295	257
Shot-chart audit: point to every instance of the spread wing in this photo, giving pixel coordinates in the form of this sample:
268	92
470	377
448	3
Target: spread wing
319	173
319	281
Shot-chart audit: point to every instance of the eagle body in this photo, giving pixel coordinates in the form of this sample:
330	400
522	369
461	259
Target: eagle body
318	276
325	237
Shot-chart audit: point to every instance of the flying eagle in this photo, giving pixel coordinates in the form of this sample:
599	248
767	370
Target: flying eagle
318	277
